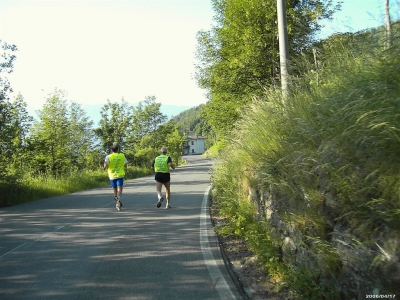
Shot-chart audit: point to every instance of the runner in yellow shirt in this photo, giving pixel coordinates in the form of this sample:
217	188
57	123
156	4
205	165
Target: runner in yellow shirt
116	163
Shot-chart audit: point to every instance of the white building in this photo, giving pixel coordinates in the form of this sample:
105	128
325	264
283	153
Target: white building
194	145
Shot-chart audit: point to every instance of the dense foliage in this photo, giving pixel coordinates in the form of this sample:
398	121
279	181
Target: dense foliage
190	122
321	172
62	144
239	56
10	128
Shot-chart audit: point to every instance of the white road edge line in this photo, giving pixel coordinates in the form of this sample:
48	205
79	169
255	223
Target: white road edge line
12	250
220	284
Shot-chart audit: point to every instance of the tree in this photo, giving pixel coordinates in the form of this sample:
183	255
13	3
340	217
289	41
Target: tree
13	136
132	127
115	120
83	149
18	130
146	119
6	109
239	57
62	140
174	143
6	65
50	136
150	144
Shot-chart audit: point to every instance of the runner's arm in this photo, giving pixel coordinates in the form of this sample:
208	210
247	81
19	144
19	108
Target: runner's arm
170	163
106	161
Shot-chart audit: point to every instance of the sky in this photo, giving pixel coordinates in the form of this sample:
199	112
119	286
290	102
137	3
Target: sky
96	50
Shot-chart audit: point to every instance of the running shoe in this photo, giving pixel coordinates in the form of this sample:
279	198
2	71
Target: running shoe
167	206
118	203
159	202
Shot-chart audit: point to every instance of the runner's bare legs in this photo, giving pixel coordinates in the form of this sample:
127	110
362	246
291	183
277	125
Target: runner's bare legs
119	191
158	188
167	193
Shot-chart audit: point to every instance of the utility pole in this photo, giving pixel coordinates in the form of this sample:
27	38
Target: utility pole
389	37
283	47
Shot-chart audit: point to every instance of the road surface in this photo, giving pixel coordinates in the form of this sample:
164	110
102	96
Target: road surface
78	246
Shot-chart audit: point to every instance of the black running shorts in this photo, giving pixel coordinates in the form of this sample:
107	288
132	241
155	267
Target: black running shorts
163	177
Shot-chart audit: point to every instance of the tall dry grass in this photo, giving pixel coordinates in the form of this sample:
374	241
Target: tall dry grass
331	155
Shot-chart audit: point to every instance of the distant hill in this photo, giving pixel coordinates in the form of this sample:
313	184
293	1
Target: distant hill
190	122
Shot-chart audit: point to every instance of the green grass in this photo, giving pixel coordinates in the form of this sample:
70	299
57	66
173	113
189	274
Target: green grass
328	164
29	188
213	151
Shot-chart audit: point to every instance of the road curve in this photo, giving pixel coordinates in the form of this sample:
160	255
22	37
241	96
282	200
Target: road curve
78	246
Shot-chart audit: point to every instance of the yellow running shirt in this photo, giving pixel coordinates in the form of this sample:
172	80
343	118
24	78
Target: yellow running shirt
116	162
161	164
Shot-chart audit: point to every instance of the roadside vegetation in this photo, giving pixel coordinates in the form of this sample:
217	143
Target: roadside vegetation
62	151
309	181
30	188
312	183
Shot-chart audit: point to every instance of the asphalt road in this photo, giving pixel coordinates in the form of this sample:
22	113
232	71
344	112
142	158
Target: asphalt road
78	246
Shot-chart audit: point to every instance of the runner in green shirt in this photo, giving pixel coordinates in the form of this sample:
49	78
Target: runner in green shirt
161	165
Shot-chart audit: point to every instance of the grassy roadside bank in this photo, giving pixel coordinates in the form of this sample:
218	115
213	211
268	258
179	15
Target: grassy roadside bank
312	187
27	188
